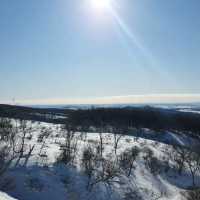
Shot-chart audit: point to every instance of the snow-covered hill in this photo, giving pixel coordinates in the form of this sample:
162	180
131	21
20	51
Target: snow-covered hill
44	178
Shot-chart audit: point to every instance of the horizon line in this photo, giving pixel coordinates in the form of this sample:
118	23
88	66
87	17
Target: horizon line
123	99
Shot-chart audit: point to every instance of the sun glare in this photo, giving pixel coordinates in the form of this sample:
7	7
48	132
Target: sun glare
100	5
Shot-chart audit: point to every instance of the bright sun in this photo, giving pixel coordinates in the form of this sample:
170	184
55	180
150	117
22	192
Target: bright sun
100	5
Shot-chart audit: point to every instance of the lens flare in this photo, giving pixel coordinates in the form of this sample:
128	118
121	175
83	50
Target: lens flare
100	5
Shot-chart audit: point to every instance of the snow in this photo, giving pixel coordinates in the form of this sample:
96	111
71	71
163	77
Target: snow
4	196
190	111
37	181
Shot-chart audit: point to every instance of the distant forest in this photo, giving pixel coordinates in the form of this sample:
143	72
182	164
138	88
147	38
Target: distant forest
122	118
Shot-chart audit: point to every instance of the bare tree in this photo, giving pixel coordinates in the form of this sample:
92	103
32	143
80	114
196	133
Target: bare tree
21	141
23	132
3	161
193	163
28	155
69	148
179	156
88	163
128	158
7	141
193	195
151	162
5	129
44	134
118	135
100	147
106	174
42	138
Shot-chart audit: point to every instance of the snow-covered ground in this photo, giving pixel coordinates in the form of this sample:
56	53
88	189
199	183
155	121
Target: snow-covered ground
43	179
190	111
4	196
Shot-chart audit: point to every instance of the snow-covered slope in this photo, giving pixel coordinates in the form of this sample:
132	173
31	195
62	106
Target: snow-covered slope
43	179
4	196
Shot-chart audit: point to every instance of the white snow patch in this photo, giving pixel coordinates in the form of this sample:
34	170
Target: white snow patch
4	196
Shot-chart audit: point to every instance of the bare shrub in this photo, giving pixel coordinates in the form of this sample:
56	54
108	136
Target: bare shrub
193	163
5	129
100	147
193	194
99	170
69	148
106	174
128	158
20	147
45	133
42	138
117	138
151	162
3	160
88	163
118	134
179	155
7	143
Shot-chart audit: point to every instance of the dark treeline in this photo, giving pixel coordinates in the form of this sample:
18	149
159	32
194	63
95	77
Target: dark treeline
122	118
34	114
141	117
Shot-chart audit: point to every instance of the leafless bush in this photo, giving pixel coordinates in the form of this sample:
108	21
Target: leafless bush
21	149
69	148
99	170
128	158
151	162
187	158
193	163
88	163
6	144
100	147
118	134
3	160
5	129
106	174
193	194
45	133
42	138
117	138
179	155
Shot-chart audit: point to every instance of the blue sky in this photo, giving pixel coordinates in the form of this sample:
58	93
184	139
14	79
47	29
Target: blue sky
52	51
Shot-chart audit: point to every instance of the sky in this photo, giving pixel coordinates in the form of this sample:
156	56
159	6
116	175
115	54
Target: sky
64	51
